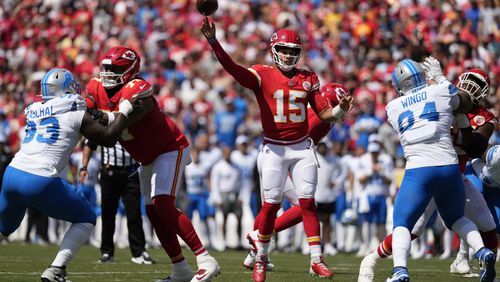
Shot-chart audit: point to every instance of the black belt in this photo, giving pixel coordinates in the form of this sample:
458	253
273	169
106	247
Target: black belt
122	168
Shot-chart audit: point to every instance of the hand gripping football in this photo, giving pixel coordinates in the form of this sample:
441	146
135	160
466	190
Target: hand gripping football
207	7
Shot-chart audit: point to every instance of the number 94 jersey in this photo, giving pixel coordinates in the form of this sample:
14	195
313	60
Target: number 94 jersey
423	119
283	103
52	132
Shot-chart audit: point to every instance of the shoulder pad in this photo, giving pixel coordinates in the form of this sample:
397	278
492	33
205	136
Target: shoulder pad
136	89
92	86
68	103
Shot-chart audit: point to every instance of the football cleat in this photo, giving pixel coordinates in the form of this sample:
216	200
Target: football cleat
460	265
106	258
208	268
367	269
399	274
144	258
487	261
54	274
250	261
253	237
181	272
259	269
320	269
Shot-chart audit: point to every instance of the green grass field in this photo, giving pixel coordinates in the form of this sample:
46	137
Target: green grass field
20	262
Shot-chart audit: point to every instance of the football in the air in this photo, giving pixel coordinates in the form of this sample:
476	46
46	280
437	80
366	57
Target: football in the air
207	7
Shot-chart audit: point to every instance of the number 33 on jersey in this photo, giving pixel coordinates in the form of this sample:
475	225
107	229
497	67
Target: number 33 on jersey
283	103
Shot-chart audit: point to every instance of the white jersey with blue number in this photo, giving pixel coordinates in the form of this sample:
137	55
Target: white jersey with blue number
423	118
52	131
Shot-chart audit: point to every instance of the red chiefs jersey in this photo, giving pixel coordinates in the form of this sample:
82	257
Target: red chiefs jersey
477	117
151	136
283	103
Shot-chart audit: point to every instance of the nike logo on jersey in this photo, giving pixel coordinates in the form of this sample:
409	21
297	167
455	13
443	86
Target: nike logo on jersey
142	86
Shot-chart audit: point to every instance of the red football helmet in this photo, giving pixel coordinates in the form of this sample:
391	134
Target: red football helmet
333	92
119	65
285	39
476	83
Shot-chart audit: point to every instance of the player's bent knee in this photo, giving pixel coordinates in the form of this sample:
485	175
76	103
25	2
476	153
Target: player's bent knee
307	191
273	195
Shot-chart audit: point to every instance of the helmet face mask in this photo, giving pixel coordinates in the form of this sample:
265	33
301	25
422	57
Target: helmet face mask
119	66
285	57
475	83
286	48
58	82
408	75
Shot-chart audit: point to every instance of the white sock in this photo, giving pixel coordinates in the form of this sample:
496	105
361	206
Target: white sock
340	232
202	257
373	257
401	242
75	237
316	253
263	248
468	231
464	249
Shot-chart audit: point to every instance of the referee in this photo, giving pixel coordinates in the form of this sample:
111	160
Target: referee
118	179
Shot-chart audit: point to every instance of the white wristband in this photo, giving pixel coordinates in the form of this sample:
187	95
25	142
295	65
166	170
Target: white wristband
462	121
111	117
125	107
337	112
440	78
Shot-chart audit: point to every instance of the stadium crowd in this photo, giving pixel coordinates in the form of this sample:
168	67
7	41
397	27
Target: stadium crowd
355	43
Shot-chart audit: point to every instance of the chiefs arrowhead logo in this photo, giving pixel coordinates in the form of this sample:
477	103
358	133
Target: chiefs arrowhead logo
129	55
479	120
306	85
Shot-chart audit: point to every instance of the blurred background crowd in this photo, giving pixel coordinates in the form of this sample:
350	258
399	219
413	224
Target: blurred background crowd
355	43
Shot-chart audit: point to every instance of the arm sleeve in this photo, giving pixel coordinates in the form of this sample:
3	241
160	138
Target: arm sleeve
241	74
318	103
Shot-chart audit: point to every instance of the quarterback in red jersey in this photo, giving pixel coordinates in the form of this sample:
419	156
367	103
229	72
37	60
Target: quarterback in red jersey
318	129
283	93
163	152
471	134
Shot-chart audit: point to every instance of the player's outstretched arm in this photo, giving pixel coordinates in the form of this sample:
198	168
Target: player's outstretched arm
461	103
101	135
336	113
107	136
241	74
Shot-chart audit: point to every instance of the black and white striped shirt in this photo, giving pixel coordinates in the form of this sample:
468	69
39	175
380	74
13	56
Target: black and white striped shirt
116	156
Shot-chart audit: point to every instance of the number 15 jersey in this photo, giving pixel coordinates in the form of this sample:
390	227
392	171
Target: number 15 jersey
283	103
423	118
